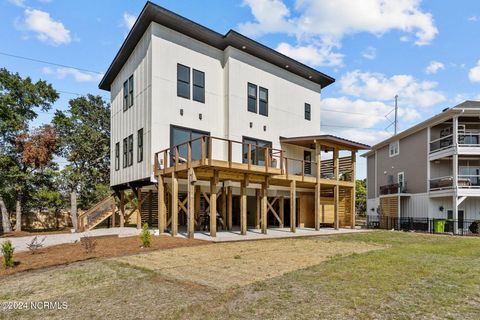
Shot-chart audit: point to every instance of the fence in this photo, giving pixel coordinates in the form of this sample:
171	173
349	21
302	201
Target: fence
440	226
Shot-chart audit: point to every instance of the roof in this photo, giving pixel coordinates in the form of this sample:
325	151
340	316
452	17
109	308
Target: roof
467	107
152	12
310	141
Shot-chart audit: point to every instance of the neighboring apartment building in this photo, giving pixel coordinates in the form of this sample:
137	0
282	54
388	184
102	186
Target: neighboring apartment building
238	119
430	171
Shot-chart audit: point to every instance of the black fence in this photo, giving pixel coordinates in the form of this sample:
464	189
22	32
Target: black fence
440	226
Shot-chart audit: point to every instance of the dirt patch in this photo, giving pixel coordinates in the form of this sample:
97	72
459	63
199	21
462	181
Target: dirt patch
106	247
226	265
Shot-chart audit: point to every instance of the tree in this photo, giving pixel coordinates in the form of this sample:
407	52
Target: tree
20	100
84	140
361	196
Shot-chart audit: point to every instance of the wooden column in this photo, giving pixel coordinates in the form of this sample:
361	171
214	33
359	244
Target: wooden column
353	191
318	161
281	204
174	204
213	207
293	206
114	213
336	190
122	209
229	208
258	217
139	209
162	207
263	209
224	208
243	208
191	203
197	206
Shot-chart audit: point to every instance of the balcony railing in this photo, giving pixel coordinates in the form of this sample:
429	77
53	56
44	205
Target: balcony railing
469	181
393	188
464	140
447	182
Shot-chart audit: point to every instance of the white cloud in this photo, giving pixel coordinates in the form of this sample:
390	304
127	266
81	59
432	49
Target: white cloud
474	73
18	3
79	76
473	18
376	86
311	55
323	24
129	20
434	67
46	29
369	53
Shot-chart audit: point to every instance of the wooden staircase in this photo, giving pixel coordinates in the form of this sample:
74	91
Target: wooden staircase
97	214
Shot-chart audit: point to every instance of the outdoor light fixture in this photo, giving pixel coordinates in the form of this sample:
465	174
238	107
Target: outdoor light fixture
287	66
200	116
251	124
181	112
441	208
264	128
244	47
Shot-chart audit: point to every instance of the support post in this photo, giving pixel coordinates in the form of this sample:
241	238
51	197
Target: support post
174	226
213	206
162	208
122	209
336	190
224	208
139	209
229	208
258	217
293	206
264	209
243	208
318	166
197	206
353	195
455	213
191	204
281	204
114	213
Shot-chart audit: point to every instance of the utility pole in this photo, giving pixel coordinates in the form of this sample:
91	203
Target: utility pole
396	113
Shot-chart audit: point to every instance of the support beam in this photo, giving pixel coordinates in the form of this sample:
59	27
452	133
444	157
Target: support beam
336	189
139	208
229	208
293	206
243	208
213	206
197	206
263	208
224	208
354	190
281	204
174	217
258	217
191	204
162	207
114	212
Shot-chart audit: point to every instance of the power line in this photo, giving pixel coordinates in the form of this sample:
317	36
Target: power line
349	127
48	62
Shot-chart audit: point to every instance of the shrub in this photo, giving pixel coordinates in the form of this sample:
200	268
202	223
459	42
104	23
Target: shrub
7	251
88	243
145	236
34	245
475	226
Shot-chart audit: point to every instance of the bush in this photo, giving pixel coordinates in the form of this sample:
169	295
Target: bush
34	245
475	226
88	244
7	251
145	236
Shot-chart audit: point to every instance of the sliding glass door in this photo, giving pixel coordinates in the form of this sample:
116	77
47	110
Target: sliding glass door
179	135
257	153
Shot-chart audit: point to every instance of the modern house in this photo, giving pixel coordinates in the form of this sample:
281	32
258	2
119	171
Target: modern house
219	132
430	171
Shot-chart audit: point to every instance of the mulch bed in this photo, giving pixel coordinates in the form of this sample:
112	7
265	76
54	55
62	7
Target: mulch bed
111	246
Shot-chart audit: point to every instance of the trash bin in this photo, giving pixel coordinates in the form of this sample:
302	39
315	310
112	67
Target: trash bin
439	226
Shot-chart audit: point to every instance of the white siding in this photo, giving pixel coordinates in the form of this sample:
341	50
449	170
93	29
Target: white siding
415	206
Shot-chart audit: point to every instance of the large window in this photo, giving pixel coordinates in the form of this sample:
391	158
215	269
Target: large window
263	102
183	81
117	156
394	148
308	111
179	135
140	145
198	86
257	150
125	95
130	150
252	98
125	152
130	91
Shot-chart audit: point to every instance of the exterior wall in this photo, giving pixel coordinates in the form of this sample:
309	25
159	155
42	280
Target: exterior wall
372	205
470	206
412	160
125	123
371	192
415	206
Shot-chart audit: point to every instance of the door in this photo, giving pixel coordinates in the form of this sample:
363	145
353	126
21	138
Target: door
401	182
257	154
179	135
307	156
460	220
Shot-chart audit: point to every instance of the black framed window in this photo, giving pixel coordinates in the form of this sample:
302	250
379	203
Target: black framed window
140	145
307	157
308	111
125	147
183	81
130	150
257	150
117	156
125	95
263	101
198	86
179	135
252	98
130	91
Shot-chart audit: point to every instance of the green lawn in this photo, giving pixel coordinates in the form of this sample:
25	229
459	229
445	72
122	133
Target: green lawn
414	277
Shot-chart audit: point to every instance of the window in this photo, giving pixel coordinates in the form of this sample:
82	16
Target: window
130	150
198	86
125	152
308	111
140	145
179	135
117	156
394	148
125	95
307	157
130	91
252	98
183	81
257	150
263	102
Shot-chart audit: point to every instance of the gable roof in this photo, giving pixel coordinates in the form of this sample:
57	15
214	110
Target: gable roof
468	107
152	12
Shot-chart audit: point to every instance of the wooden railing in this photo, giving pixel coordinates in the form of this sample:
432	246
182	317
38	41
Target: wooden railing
98	210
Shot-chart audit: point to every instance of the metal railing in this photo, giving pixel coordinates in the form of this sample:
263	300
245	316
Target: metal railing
469	139
393	188
464	140
441	183
447	182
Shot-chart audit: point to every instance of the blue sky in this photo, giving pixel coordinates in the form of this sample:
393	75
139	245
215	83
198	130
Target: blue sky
427	52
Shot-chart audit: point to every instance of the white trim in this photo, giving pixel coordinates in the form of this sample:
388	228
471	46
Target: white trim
393	143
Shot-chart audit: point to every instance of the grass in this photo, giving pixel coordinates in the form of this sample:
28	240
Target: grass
400	276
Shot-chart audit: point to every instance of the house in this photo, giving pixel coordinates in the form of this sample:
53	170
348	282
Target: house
219	132
430	171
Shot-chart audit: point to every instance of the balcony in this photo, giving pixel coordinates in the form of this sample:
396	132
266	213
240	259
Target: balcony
468	134
464	182
393	188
